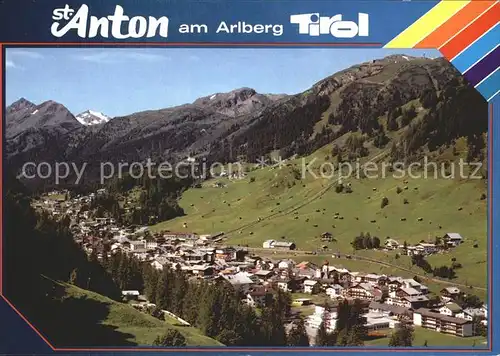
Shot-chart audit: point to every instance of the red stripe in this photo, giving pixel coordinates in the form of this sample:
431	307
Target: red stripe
472	32
28	322
456	23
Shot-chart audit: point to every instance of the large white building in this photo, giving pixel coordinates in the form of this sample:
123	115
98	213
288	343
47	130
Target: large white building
315	320
268	244
374	320
442	323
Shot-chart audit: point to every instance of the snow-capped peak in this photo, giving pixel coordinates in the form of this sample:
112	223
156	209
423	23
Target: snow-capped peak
91	117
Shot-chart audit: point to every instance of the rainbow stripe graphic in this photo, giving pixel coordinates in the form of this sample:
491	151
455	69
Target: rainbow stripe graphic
467	34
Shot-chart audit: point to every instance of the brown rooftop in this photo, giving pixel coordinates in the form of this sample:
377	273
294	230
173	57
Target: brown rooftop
450	319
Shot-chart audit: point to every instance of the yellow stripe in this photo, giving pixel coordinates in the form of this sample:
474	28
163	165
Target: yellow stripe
427	24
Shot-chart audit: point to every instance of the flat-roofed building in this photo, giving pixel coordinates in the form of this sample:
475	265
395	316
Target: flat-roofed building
442	323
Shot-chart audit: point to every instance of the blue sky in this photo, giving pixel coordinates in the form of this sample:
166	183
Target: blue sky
122	81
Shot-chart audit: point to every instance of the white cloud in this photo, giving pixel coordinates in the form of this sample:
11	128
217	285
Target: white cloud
12	65
16	56
121	56
22	53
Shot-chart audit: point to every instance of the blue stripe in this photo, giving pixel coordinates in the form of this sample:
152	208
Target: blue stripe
477	50
490	85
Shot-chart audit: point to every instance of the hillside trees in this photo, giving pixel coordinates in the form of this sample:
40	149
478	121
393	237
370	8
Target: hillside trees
350	328
298	334
355	146
448	119
41	250
365	241
403	335
216	308
170	338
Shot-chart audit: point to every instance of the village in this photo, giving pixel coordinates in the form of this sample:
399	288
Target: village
387	300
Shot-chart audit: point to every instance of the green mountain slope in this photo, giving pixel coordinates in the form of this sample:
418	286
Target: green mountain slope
83	318
274	203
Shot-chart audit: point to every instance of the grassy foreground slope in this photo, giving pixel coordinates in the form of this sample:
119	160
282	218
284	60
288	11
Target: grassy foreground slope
274	203
85	318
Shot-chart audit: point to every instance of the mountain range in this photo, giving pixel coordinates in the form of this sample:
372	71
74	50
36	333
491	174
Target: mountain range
244	123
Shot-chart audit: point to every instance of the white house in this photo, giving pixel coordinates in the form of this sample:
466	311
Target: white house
335	291
268	243
454	239
285	285
130	294
484	309
137	245
470	313
286	264
411	283
411	250
374	278
115	246
309	286
426	249
156	265
450	309
257	298
391	244
239	281
315	320
450	292
442	323
150	244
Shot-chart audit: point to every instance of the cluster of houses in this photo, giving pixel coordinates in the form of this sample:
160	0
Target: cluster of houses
451	240
57	204
406	301
387	299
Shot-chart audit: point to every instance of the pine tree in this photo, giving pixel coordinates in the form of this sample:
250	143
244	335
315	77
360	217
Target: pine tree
151	277
209	310
322	336
356	336
191	306
283	302
171	338
178	292
272	326
73	278
392	124
229	337
161	297
124	273
248	323
229	303
134	277
350	324
298	334
402	336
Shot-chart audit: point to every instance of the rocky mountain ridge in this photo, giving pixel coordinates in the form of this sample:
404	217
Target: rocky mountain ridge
240	123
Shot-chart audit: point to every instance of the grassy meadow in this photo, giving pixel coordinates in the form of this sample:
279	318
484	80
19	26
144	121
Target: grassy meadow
112	323
283	203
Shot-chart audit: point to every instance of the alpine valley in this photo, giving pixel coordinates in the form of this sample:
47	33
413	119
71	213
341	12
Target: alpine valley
264	257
